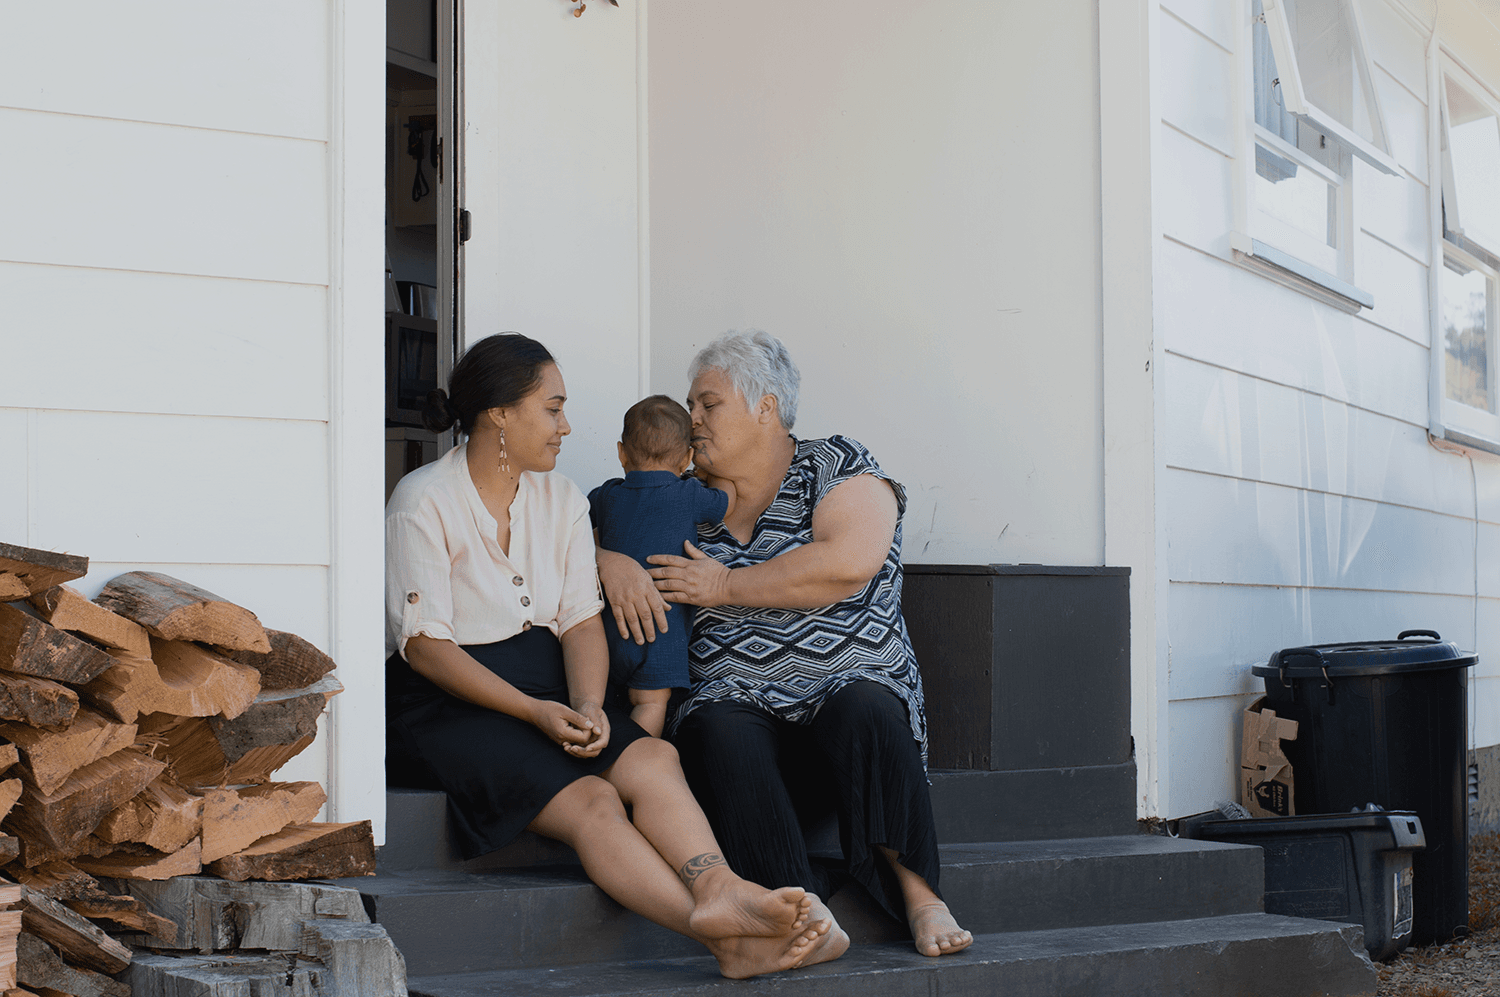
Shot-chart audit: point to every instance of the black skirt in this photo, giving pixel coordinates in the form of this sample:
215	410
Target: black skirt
498	772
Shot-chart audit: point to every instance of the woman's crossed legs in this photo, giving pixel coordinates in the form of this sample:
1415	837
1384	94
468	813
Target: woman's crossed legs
667	866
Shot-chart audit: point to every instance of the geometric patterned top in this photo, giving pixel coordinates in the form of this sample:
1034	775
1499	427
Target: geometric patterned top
789	661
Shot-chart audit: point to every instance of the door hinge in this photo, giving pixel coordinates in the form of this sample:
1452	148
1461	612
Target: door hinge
463	225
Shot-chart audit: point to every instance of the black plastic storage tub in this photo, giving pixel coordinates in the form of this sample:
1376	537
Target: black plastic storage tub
1385	722
1354	867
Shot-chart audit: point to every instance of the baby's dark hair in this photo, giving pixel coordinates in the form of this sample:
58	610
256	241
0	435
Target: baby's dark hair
657	430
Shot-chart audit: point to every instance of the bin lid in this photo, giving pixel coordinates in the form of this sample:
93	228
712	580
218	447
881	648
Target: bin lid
1412	651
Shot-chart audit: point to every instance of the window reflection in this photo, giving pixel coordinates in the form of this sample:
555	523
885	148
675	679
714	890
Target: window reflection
1466	308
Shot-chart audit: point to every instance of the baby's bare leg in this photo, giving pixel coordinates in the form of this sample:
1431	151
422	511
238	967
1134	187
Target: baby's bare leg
648	707
649	779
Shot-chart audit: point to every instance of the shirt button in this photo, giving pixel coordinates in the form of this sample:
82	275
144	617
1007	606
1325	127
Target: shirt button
411	597
518	580
525	600
526	626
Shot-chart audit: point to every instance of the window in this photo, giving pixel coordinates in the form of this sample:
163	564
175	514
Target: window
1469	282
1315	109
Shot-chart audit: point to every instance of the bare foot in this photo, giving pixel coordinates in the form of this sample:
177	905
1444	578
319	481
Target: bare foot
829	945
935	931
744	957
737	908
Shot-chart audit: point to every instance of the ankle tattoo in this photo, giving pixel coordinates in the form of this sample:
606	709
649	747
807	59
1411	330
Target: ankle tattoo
698	865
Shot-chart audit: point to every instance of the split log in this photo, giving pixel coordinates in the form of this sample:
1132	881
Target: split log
10	792
197	682
360	958
10	848
125	914
292	663
304	851
164	817
178	678
190	748
237	818
216	915
29	646
65	608
282	716
65	818
36	701
186	861
38	966
10	927
176	610
264	973
25	570
51	756
72	935
35	852
57	879
9	755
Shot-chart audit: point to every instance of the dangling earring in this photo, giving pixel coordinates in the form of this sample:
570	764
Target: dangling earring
504	461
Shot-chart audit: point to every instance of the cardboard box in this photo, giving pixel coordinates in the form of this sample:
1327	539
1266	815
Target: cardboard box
1266	786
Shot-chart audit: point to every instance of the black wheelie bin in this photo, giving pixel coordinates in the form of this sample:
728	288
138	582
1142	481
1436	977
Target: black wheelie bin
1385	722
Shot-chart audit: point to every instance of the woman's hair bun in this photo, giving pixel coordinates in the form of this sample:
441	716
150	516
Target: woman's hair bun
438	414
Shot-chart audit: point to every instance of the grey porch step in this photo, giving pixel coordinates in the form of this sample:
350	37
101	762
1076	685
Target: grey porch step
452	921
1077	802
1243	955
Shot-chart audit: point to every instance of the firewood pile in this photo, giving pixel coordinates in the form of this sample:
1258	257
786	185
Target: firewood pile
139	733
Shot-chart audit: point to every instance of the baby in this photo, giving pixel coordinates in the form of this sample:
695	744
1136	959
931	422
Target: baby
652	510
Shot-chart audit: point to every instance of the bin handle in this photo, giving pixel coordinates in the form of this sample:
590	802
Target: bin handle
1306	652
1419	633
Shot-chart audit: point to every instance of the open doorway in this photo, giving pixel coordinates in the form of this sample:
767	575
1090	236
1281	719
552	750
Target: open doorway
419	217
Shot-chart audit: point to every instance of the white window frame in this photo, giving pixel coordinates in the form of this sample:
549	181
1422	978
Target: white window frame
1460	422
1452	196
1262	242
1296	101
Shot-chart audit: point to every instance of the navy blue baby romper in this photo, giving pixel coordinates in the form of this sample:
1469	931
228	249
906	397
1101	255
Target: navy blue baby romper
644	513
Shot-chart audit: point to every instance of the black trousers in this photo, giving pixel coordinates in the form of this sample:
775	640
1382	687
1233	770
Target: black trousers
761	779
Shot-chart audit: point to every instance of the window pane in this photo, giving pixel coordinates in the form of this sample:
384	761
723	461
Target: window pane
1474	151
1298	197
1323	37
1465	337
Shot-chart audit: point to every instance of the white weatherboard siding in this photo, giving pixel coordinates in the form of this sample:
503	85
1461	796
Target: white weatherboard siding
1300	498
179	277
908	195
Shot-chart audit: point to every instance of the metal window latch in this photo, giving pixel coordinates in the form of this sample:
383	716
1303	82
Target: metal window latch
463	225
437	157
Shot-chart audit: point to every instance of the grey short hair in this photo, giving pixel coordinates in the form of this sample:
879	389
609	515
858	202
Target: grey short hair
758	364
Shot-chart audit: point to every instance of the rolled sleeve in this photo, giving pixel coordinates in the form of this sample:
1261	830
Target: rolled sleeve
418	581
581	597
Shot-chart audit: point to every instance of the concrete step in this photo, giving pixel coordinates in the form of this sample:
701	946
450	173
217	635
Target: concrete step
1240	955
452	921
969	806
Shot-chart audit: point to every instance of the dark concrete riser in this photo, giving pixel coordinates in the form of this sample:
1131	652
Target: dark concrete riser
1244	955
967	806
450	921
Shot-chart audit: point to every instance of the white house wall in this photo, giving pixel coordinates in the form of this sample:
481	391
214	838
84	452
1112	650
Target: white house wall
174	320
1300	497
908	195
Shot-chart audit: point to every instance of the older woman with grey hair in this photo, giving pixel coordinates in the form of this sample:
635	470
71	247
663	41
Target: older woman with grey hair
805	689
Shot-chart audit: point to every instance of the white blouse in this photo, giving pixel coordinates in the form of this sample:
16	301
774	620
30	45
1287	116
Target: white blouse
447	578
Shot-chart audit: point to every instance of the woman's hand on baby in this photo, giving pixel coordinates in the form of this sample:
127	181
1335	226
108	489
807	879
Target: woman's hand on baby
697	579
638	608
576	732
